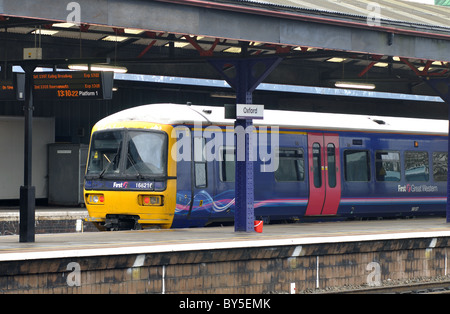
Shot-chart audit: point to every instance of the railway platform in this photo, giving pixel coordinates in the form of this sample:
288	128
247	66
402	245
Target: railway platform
288	258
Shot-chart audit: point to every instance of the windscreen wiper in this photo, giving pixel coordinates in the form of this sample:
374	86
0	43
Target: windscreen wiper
112	161
100	176
139	175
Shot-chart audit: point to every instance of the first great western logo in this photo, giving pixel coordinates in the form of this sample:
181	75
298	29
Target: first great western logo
412	188
120	185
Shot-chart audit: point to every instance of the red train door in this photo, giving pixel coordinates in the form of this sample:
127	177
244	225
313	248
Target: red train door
324	175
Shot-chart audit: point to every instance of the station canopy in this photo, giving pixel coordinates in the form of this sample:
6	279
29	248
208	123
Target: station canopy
391	44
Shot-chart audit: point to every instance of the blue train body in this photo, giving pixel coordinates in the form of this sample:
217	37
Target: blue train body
400	194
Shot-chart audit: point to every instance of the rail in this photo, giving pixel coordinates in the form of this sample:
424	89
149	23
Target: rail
437	287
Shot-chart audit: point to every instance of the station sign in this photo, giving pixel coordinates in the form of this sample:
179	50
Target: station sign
249	111
244	111
66	85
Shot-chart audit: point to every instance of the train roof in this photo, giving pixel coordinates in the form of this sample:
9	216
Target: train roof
176	114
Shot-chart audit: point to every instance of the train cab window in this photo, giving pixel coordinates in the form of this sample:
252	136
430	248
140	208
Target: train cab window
291	165
387	166
146	154
357	166
105	153
416	166
200	162
440	166
227	165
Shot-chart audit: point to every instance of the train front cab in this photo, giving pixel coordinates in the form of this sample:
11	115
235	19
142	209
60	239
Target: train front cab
131	177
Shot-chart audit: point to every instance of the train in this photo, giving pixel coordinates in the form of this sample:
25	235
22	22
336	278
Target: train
173	166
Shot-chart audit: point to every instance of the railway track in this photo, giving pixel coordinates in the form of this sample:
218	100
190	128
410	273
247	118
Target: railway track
438	287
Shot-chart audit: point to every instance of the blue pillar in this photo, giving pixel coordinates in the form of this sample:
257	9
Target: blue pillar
245	76
244	215
442	87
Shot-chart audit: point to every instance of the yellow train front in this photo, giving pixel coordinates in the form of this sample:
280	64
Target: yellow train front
130	180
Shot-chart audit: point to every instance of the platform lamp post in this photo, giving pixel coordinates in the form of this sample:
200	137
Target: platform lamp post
27	191
442	87
245	75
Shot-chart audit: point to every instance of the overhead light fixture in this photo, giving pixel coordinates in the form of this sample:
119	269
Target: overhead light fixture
423	68
133	31
44	32
381	64
336	60
354	85
233	50
307	49
395	58
223	95
115	38
63	25
177	44
98	67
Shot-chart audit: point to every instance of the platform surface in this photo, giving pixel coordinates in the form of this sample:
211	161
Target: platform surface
150	241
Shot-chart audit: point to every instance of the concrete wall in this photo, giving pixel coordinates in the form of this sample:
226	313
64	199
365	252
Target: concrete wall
237	271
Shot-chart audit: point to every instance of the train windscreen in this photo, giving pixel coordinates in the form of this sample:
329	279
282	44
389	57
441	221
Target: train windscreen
127	153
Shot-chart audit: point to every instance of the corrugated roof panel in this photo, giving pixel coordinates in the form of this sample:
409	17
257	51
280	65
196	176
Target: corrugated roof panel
390	10
410	12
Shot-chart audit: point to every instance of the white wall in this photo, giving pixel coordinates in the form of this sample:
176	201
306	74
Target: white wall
12	155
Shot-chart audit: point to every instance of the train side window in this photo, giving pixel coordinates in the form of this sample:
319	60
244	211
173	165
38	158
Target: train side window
387	166
317	165
331	161
440	160
200	175
227	165
416	166
200	162
357	166
291	165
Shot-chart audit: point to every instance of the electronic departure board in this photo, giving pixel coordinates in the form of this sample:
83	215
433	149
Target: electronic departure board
13	89
73	85
7	90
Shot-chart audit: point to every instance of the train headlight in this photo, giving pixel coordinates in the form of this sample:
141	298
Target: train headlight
150	200
95	199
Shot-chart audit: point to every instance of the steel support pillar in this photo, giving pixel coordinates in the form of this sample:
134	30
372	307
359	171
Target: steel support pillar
442	87
27	191
244	75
